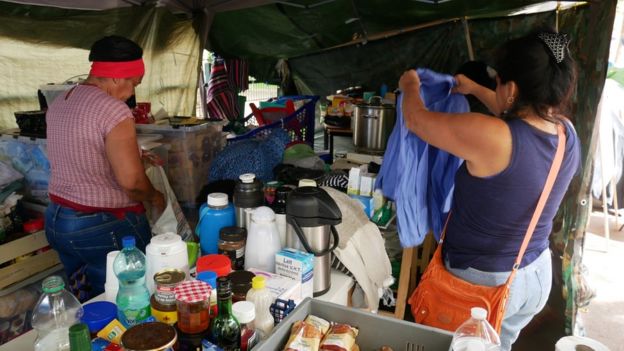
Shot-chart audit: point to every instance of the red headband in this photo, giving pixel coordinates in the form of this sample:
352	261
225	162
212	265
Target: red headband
125	69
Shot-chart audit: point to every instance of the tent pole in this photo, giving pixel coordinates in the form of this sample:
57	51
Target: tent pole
468	40
557	16
207	19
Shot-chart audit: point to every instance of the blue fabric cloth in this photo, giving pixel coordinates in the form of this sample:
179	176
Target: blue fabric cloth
491	215
258	156
84	239
416	175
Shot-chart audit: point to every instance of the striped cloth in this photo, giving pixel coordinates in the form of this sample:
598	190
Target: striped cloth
227	78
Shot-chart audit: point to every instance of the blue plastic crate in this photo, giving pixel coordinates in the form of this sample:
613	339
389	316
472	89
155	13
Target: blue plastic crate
299	125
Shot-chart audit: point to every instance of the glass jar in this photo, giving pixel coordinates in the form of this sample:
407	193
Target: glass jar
193	304
232	244
241	283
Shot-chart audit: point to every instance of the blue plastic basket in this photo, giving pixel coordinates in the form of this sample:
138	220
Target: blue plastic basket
299	125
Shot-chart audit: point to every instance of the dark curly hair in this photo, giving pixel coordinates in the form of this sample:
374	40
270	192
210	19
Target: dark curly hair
115	48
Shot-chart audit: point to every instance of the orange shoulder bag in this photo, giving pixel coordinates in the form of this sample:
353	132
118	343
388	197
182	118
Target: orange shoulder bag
444	301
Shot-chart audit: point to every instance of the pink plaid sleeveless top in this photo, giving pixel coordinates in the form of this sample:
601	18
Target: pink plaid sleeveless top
77	125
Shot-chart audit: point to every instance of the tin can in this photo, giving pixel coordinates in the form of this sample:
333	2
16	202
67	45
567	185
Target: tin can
165	282
152	336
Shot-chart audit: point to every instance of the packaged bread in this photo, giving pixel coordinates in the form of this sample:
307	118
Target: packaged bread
304	337
341	337
318	322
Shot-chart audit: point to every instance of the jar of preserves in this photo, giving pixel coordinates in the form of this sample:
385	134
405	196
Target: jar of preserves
193	304
232	244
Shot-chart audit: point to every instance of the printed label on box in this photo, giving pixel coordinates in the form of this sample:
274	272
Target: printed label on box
299	266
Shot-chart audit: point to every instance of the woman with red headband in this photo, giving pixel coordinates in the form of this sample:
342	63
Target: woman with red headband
97	182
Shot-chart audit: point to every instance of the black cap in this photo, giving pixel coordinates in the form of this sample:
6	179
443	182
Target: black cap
232	234
224	287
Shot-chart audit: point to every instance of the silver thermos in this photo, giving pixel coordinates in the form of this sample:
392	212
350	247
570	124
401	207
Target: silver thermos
248	195
312	215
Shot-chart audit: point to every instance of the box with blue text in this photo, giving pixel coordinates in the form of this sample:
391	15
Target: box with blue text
299	266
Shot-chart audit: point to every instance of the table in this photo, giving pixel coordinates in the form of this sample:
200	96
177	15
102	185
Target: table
341	285
328	137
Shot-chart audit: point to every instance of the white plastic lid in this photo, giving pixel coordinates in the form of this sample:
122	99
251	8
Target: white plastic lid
478	313
217	200
306	182
247	178
244	311
165	244
263	214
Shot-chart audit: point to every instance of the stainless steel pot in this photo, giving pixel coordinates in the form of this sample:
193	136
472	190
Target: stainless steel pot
372	126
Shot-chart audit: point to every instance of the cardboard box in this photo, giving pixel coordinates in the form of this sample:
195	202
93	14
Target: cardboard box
354	181
297	265
367	184
280	287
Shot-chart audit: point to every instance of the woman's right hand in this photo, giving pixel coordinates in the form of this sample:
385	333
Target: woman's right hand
465	85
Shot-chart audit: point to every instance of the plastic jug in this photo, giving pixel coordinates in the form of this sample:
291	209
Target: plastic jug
476	334
55	312
263	240
165	251
262	299
215	214
133	298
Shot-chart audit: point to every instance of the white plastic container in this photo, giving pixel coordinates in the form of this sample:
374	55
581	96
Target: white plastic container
476	334
165	251
263	240
262	299
56	311
112	284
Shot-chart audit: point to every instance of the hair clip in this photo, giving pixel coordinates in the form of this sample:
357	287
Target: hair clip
557	43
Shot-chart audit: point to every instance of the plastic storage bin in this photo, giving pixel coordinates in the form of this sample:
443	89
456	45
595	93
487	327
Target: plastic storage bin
191	150
375	330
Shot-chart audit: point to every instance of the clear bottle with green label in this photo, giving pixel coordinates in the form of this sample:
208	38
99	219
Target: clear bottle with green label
133	298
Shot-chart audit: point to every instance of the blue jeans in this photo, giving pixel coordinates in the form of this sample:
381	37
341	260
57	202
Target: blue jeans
84	239
528	293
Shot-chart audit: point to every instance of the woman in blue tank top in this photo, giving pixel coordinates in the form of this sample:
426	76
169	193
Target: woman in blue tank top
506	164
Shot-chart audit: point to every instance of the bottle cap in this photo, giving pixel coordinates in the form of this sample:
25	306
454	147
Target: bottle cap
208	277
233	234
263	214
478	313
220	264
217	200
98	314
224	287
128	241
247	178
244	311
306	182
53	284
258	282
79	337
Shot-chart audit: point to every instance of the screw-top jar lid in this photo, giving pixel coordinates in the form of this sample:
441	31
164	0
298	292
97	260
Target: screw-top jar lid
128	241
258	282
233	234
244	311
247	178
263	214
217	200
192	291
478	313
53	284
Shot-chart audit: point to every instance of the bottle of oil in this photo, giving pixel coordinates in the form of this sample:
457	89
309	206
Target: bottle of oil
226	331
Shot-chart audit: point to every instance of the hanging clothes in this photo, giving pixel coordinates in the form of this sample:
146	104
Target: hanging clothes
222	97
416	175
609	155
238	73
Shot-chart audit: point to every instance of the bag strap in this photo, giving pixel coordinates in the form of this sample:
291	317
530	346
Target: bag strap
550	181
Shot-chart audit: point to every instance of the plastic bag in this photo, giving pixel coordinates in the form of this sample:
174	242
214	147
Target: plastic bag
172	219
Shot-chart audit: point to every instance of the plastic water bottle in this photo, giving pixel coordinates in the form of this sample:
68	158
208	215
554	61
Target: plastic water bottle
56	311
476	334
215	214
133	298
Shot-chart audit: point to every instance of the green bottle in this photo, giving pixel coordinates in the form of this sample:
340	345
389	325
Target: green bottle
226	332
79	338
